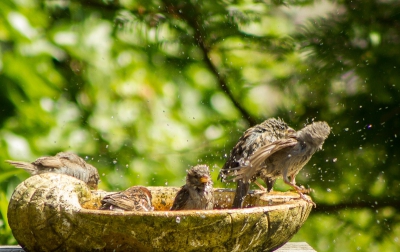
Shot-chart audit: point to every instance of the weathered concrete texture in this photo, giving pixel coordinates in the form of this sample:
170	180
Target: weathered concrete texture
57	212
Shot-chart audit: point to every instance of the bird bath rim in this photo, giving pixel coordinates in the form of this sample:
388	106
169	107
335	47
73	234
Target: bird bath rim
54	211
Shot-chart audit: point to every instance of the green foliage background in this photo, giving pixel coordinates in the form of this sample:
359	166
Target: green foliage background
145	89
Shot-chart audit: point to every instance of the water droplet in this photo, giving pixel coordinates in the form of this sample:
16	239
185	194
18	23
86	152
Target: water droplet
334	160
114	161
107	146
346	129
328	190
178	220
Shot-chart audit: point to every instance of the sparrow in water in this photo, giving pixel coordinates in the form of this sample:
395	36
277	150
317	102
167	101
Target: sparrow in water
284	157
197	193
135	198
63	163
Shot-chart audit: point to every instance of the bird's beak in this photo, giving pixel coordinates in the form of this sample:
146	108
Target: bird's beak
204	179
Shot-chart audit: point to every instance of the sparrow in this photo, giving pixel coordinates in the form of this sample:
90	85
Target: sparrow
197	193
63	163
135	198
284	157
252	139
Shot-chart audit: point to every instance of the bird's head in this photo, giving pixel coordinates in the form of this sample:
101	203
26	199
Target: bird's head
199	176
314	134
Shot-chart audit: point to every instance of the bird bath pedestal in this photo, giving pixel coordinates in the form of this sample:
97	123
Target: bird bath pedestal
57	212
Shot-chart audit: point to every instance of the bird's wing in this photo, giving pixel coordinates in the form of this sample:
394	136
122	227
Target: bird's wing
247	144
45	163
71	164
247	171
262	134
119	200
181	199
71	160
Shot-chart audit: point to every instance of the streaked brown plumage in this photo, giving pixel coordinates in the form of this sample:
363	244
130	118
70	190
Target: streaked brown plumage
135	198
284	157
197	193
63	163
252	139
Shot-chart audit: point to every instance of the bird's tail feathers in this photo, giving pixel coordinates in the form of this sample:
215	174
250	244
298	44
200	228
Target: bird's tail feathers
241	191
23	165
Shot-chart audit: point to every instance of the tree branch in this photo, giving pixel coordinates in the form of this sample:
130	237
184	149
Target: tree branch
199	37
222	81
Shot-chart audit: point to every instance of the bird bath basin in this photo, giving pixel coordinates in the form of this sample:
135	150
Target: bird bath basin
58	212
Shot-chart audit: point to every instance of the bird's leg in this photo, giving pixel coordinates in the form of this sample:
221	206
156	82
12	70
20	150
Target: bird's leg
270	184
262	188
298	189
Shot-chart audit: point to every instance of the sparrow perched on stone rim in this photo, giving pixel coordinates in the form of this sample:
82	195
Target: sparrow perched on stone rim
197	193
284	157
252	139
63	163
135	198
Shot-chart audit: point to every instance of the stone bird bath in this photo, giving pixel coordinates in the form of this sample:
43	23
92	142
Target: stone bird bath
50	212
